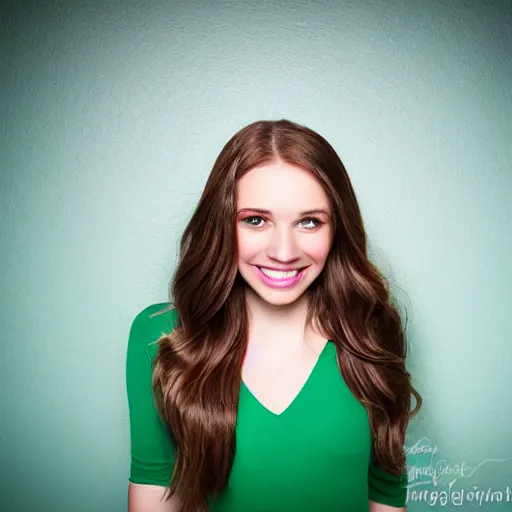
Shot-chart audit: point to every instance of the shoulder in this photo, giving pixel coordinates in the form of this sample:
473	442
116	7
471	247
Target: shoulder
150	324
157	317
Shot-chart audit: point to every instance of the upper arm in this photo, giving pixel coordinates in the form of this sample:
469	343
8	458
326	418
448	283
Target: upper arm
149	498
152	454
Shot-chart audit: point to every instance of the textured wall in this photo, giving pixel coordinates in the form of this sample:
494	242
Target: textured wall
111	117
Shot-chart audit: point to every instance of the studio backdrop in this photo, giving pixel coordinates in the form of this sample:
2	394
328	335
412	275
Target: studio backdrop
112	114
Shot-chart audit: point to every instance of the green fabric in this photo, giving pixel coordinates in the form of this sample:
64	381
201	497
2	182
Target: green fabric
315	456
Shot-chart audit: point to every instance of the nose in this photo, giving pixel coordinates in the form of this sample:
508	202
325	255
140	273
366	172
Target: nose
283	245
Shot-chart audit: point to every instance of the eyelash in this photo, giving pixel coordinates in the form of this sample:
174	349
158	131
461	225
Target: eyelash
314	219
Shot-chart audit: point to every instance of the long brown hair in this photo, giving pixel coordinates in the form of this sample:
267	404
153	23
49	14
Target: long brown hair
197	371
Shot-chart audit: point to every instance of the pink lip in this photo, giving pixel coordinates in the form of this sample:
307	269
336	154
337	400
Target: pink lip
280	283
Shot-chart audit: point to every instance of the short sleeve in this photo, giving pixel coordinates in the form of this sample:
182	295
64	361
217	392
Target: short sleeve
386	488
152	453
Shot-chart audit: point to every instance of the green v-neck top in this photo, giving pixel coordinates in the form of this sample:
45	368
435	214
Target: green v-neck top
314	456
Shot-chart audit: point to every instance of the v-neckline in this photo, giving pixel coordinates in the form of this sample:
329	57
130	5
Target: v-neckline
299	393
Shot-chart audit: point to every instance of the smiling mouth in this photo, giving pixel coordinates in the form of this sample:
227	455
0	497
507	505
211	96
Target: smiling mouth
280	274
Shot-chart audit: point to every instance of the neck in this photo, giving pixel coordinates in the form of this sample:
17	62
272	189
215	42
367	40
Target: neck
276	325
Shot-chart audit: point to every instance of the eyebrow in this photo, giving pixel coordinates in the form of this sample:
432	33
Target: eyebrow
268	212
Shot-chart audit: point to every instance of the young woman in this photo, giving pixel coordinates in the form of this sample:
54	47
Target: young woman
276	379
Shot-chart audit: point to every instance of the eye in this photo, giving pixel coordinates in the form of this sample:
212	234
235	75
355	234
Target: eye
254	221
310	223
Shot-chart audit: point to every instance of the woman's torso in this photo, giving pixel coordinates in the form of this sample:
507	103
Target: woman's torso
312	456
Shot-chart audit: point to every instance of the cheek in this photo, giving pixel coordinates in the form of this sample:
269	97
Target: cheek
248	244
317	247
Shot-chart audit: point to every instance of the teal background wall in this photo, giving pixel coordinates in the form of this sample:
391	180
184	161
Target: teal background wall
111	117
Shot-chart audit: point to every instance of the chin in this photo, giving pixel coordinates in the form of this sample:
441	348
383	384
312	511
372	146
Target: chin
277	298
281	301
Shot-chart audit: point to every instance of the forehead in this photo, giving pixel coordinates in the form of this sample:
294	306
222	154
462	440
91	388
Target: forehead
280	187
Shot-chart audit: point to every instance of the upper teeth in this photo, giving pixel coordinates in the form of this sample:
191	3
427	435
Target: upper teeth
276	274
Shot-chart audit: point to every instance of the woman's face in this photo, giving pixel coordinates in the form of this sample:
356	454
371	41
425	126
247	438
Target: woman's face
284	231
